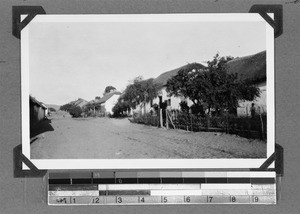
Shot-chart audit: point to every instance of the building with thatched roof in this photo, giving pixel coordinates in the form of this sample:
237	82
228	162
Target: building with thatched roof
253	69
38	111
105	104
79	102
163	97
108	101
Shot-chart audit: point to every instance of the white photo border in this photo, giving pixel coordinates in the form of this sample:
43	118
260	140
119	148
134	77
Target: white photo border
133	164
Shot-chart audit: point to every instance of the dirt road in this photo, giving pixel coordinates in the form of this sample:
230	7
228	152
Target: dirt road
105	138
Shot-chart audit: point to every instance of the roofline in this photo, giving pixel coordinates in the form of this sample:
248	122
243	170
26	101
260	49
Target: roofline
32	99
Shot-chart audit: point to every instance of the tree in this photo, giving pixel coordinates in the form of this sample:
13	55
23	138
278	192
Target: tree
136	92
120	108
140	91
108	89
52	109
212	87
184	107
75	111
66	107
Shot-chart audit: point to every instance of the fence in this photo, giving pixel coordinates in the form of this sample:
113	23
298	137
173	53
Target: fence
243	126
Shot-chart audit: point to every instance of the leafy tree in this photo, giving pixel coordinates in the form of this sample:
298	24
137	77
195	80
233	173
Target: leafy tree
184	107
136	92
75	111
212	87
52	109
120	108
66	107
109	89
140	91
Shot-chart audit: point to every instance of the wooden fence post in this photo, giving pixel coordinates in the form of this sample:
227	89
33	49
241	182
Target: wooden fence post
160	118
262	126
167	121
191	122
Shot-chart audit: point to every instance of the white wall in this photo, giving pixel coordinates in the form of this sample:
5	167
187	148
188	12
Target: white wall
259	103
243	109
174	102
110	103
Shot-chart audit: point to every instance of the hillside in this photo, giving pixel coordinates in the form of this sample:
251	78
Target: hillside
56	107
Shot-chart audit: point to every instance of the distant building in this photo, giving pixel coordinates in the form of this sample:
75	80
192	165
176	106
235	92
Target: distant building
253	69
38	111
108	101
79	102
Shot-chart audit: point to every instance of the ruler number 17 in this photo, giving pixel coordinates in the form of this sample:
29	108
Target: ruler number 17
209	199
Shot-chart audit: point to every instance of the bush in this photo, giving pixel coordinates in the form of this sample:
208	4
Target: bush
184	107
52	109
66	107
147	119
120	109
75	111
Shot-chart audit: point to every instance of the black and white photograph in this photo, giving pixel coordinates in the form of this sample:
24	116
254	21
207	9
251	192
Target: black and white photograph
148	87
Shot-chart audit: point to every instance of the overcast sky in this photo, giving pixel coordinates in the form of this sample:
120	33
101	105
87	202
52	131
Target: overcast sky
72	60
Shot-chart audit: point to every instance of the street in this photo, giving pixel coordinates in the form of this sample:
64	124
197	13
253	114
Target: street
108	138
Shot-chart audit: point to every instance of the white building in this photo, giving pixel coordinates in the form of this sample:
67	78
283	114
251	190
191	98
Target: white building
108	101
173	102
252	68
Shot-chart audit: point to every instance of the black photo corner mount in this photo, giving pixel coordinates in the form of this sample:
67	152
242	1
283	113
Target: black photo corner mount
276	157
277	22
17	11
19	159
17	26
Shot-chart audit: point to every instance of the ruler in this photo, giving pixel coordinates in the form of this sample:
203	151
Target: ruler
127	188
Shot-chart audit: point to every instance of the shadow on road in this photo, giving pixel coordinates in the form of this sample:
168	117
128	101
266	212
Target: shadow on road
41	127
